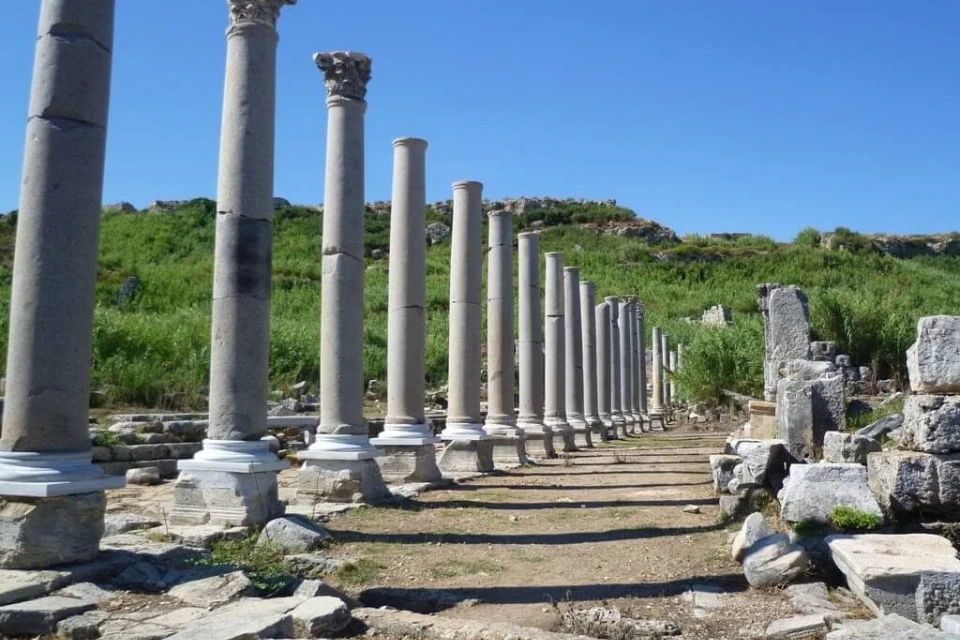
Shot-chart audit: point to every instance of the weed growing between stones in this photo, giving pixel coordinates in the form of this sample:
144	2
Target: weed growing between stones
105	439
262	563
363	571
846	518
857	420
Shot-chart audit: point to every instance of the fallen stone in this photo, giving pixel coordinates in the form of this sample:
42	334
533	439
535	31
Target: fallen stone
931	424
810	597
933	361
810	626
764	462
294	534
691	508
145	476
246	619
884	571
812	491
201	589
754	529
805	369
721	468
86	591
601	622
40	616
888	627
806	410
739	505
774	561
117	523
314	588
950	624
16	586
907	483
321	615
938	594
85	626
848	447
881	427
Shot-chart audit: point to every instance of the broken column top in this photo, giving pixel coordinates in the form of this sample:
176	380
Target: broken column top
933	362
345	73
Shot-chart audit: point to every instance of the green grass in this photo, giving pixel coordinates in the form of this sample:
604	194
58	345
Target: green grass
363	571
455	568
262	563
155	349
846	518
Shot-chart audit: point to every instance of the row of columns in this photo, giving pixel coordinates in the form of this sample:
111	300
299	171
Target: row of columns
584	373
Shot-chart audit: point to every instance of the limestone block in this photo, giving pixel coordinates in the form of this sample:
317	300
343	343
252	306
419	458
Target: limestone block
881	427
884	570
812	491
467	456
408	463
146	476
341	481
40	616
85	626
906	483
933	361
721	467
201	589
847	447
806	626
931	423
754	529
774	561
938	594
806	410
229	499
321	616
294	534
885	628
247	618
950	624
16	586
765	462
805	369
42	532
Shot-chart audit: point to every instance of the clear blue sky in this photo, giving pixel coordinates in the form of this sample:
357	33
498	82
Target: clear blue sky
705	115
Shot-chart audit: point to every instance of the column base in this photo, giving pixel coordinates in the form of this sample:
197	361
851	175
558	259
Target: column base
341	480
626	426
408	462
539	440
41	532
562	434
509	450
463	431
467	456
658	415
344	447
604	429
581	433
619	426
47	475
404	435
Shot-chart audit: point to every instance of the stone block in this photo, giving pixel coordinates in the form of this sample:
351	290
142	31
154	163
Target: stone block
806	410
467	456
41	532
774	561
931	423
341	481
847	447
321	616
16	586
907	483
950	624
881	427
85	626
938	594
40	616
811	626
805	369
888	627
408	463
884	570
243	620
721	468
211	587
224	498
184	450
146	476
763	419
764	462
787	331
812	491
294	534
117	523
933	361
754	529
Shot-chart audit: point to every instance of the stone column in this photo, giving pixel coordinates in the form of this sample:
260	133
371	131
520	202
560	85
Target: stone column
573	361
591	409
626	368
665	368
407	440
51	493
539	437
635	365
657	411
604	369
469	448
673	369
616	399
233	479
339	466
642	364
501	423
555	412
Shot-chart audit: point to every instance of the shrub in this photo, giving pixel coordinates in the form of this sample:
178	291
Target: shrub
847	518
719	359
808	237
262	563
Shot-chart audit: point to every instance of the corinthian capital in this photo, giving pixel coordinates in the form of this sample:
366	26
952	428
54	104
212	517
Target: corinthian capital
261	11
345	73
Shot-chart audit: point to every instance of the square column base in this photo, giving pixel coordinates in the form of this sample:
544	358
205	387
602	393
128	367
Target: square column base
341	481
509	450
539	444
403	463
42	532
225	498
581	435
467	456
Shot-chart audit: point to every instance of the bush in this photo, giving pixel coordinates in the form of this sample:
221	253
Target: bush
846	518
808	237
718	359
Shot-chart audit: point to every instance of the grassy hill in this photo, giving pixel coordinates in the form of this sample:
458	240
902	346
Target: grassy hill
154	349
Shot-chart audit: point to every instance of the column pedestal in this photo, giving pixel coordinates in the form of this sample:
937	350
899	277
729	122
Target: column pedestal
409	453
469	449
538	440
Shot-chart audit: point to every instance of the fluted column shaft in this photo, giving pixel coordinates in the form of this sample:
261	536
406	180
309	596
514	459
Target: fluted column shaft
634	363
626	374
530	341
588	300
554	339
616	399
604	365
573	348
500	368
406	307
464	419
657	370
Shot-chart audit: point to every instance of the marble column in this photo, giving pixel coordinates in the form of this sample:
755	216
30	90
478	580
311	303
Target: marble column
52	494
539	437
657	410
673	382
555	411
591	409
501	422
233	479
469	448
604	369
340	465
407	441
665	368
635	366
616	372
626	369
642	365
573	361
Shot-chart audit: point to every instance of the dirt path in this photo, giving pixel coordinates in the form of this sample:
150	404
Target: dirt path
602	525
